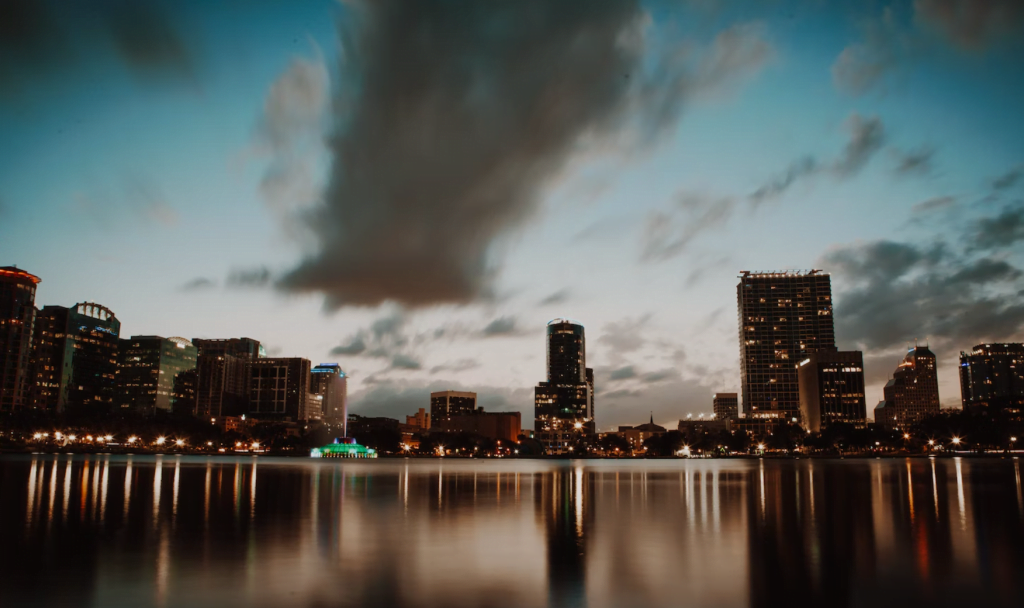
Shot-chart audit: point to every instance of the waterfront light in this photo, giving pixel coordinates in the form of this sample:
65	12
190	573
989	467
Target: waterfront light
760	447
931	442
108	438
160	440
180	442
255	445
133	439
72	437
956	441
57	435
906	435
37	436
406	447
578	425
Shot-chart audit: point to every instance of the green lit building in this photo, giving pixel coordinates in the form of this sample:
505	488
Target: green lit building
148	372
343	447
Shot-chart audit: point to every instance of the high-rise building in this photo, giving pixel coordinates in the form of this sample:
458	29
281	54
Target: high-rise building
913	391
147	373
329	382
564	405
783	317
280	389
992	378
445	404
17	317
421	419
74	361
224	375
590	385
726	406
831	389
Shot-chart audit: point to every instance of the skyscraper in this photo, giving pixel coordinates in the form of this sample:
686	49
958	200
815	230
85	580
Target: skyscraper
224	375
445	404
831	389
725	405
563	405
280	389
329	382
17	316
147	372
783	317
992	378
74	362
913	391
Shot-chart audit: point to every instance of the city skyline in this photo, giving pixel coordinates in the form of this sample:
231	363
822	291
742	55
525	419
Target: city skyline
880	144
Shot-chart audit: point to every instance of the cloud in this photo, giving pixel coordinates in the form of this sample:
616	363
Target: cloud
42	38
1001	231
862	65
356	346
933	204
502	326
622	373
401	361
897	292
915	162
668	233
145	197
971	25
559	297
1008	179
660	375
248	277
624	336
459	365
867	136
452	118
199	284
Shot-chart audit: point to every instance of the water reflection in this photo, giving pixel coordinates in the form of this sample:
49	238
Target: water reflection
266	532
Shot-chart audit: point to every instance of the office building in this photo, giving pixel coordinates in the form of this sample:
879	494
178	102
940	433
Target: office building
17	318
831	389
224	375
280	389
74	362
783	317
420	420
502	426
992	378
147	373
445	404
563	405
726	406
329	382
913	392
637	435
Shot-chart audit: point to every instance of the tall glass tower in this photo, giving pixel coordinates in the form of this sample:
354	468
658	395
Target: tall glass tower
564	405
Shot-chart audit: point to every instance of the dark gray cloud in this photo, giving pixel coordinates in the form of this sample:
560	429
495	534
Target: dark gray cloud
867	136
898	292
622	373
454	116
40	38
199	284
660	375
459	365
1008	179
624	336
972	25
404	362
915	162
502	326
933	204
248	277
559	297
356	346
1001	231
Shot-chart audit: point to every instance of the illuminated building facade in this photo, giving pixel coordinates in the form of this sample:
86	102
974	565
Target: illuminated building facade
493	425
280	389
329	382
564	404
224	375
420	420
831	389
913	392
783	318
74	362
726	406
17	317
992	378
445	404
147	373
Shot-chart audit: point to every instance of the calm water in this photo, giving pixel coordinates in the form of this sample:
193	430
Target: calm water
192	531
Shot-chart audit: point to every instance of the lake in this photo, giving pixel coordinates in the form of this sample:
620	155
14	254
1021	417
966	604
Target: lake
255	531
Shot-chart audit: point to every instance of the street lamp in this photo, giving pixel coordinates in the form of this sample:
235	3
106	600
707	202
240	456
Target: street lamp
578	425
160	440
906	435
956	441
931	442
179	442
133	439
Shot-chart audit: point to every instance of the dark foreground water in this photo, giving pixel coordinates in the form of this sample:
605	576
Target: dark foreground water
196	532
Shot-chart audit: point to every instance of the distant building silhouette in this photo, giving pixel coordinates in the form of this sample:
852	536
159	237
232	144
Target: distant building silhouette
913	391
224	375
725	405
280	390
147	372
564	404
992	378
831	389
420	420
445	404
494	425
330	384
74	361
17	318
783	317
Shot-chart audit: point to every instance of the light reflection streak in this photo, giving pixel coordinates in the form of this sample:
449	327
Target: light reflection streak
127	487
95	487
174	491
578	487
960	493
715	504
206	495
810	492
440	485
86	469
163	568
405	489
157	479
704	498
67	489
1020	495
252	491
103	487
689	498
762	489
53	490
32	491
910	492
935	491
